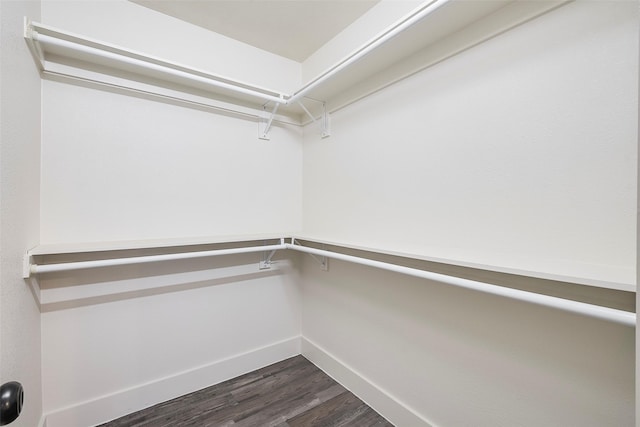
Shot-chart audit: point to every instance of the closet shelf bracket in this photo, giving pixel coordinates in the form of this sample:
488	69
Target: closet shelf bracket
30	269
323	121
27	261
265	122
266	262
35	48
323	260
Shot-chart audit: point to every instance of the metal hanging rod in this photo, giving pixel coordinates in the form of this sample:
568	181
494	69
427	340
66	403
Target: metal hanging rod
184	101
591	310
35	33
81	265
39	36
415	16
605	313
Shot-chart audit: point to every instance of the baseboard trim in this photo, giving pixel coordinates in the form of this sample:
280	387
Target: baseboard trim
373	395
115	405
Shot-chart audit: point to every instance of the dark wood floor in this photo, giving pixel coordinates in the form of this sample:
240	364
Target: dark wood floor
291	393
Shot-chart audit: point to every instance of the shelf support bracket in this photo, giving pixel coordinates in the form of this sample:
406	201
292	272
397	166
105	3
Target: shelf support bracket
36	52
27	261
264	124
322	260
323	122
266	262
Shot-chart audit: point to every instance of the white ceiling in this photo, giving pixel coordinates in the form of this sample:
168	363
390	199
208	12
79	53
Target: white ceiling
290	28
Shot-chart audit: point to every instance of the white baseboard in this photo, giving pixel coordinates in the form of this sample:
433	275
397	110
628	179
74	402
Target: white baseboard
115	405
380	400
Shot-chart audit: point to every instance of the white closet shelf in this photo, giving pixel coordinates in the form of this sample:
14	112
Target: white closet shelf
269	248
573	279
184	244
435	31
124	245
73	55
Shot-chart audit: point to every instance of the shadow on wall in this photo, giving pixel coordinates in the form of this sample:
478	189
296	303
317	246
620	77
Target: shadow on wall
435	346
71	289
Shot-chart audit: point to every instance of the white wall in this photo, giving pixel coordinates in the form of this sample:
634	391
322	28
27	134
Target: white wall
518	153
522	153
452	357
116	167
19	207
527	140
120	166
159	331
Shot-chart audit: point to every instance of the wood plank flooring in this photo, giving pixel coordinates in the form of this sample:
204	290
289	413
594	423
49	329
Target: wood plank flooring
291	393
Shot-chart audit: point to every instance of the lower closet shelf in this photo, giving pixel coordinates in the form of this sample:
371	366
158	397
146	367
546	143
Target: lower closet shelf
269	248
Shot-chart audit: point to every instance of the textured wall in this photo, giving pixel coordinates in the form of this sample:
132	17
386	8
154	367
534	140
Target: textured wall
19	207
520	152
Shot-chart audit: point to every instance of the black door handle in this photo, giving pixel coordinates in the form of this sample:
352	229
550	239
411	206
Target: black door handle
11	400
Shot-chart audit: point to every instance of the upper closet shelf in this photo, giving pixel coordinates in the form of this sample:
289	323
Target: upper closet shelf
126	245
54	46
432	32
